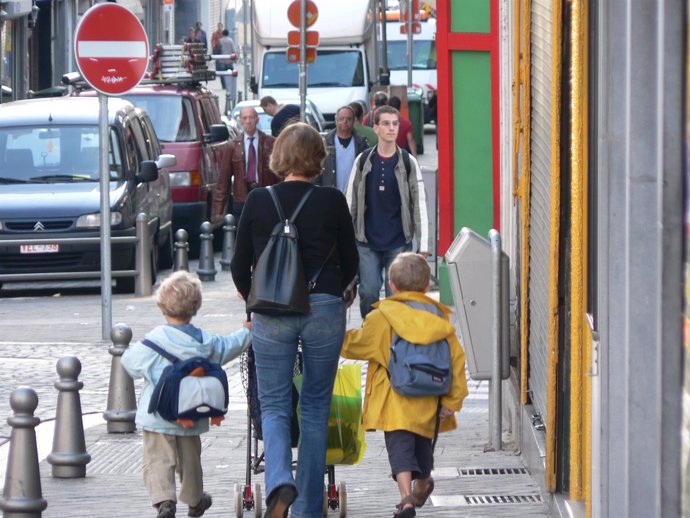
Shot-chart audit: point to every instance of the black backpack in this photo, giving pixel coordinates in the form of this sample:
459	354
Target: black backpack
278	283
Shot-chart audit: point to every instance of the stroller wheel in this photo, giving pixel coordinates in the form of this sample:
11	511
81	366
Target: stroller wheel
342	497
257	500
239	504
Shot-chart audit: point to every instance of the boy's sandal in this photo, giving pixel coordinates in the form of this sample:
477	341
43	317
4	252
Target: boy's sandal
405	512
422	491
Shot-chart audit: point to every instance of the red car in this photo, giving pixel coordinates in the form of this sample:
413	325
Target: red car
188	123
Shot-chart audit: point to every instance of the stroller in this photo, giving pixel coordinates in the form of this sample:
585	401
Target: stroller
248	498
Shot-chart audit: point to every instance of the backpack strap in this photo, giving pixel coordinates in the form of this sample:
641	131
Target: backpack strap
406	161
312	281
165	354
297	210
364	157
367	153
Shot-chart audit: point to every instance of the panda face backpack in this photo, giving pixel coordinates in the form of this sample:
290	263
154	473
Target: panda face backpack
190	389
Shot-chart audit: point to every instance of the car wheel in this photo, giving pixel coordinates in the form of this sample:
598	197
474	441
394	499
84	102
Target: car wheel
166	257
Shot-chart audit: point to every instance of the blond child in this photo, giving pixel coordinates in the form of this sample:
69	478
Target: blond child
410	424
169	446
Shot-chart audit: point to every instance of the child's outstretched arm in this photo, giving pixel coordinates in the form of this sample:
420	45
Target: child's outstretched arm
231	346
366	342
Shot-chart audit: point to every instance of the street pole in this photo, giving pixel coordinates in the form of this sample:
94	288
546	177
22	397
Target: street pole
245	50
410	21
495	394
302	58
384	73
106	276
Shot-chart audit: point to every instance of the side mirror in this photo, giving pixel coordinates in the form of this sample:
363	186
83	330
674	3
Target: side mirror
166	161
253	85
148	172
219	132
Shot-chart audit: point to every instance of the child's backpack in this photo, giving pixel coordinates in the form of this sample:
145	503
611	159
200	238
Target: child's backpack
420	369
279	286
189	389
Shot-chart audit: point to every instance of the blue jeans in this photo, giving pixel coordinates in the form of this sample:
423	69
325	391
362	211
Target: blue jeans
373	267
275	341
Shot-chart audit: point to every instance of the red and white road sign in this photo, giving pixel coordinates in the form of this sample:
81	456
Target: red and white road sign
112	49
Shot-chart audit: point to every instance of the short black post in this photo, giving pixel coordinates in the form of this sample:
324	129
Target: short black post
207	267
229	230
69	457
122	405
22	496
181	250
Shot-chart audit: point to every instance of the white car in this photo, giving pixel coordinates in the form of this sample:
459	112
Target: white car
312	115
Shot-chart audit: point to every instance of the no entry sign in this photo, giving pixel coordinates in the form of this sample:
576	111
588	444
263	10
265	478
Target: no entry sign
112	49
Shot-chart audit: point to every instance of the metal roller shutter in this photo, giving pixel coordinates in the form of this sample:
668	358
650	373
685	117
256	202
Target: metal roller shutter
540	187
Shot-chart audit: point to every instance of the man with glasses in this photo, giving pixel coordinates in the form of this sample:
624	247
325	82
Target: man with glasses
387	200
342	146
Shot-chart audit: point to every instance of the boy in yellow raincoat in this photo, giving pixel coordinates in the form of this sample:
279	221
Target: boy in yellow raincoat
410	424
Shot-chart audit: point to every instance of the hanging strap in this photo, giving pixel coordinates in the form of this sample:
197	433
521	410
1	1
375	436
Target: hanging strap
165	354
312	281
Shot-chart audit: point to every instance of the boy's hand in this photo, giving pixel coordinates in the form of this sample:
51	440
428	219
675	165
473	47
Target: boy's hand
445	413
247	324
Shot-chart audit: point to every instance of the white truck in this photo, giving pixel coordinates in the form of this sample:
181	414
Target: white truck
423	55
346	61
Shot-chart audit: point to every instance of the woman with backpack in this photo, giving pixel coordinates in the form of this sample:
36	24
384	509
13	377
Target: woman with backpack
326	243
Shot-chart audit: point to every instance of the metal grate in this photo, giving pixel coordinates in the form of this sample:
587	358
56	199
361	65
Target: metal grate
473	472
503	499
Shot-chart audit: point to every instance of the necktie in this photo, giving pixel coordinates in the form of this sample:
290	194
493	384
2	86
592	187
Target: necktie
251	162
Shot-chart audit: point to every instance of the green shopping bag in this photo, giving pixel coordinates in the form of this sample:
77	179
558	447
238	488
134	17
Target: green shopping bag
346	444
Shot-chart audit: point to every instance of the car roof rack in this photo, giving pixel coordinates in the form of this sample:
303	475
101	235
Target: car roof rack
180	63
184	64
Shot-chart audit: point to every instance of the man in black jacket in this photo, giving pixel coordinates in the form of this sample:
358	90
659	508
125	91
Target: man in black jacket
343	145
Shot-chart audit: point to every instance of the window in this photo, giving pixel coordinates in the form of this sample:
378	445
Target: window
172	116
332	68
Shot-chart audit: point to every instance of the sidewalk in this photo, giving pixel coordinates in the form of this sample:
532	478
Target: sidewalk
470	483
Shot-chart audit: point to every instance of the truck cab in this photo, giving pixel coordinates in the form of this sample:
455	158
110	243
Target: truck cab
346	61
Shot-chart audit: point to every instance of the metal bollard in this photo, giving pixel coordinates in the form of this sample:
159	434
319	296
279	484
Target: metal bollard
207	267
181	250
229	230
69	457
143	282
22	497
122	405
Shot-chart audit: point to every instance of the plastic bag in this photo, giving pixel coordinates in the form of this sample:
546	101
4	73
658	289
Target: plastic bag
346	444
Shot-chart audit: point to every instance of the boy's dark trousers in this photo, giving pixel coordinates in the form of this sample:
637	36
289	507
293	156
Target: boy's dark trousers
408	451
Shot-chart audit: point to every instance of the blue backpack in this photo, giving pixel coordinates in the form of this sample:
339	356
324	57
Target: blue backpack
184	392
420	369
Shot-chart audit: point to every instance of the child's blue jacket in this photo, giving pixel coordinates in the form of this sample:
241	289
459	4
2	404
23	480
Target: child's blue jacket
143	362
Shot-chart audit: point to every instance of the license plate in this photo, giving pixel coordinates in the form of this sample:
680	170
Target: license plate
39	249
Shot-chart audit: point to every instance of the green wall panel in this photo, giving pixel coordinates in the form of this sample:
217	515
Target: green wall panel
472	155
470	16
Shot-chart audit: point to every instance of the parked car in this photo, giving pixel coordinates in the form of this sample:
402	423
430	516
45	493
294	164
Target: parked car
188	122
50	188
312	114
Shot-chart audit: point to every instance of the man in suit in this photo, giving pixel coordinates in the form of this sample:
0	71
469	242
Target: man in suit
342	146
245	166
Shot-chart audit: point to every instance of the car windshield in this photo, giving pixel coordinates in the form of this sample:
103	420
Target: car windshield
423	55
172	116
332	68
55	154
